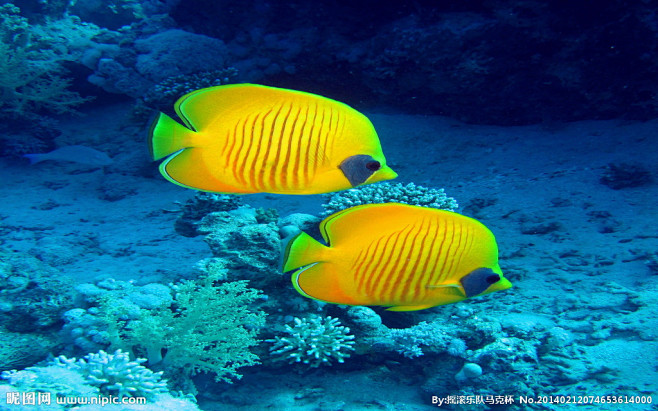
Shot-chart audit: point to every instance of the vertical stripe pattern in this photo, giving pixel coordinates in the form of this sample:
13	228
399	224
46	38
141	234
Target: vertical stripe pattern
398	267
282	147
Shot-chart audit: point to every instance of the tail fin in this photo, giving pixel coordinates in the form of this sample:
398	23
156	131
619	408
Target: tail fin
167	137
302	250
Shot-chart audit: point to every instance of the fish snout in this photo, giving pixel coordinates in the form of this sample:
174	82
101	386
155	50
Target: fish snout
383	174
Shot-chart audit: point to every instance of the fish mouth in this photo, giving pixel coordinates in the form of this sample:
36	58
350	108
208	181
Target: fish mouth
384	173
501	285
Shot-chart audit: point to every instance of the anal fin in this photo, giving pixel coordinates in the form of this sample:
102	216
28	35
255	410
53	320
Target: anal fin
410	307
187	168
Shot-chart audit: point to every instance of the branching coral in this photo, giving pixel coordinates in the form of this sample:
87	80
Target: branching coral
389	193
208	328
31	60
314	341
90	328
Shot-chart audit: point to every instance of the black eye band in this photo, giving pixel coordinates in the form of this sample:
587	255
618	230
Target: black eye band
478	280
357	169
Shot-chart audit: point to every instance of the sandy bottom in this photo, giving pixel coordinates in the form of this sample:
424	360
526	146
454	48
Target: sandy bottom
568	243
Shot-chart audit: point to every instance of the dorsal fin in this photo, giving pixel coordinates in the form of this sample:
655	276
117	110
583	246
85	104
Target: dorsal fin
367	218
200	108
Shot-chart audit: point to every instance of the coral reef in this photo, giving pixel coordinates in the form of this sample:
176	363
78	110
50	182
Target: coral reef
313	341
20	350
292	224
434	58
426	337
201	205
476	354
442	59
115	374
247	248
449	59
157	58
246	245
187	338
389	193
159	53
88	328
109	375
469	371
35	80
172	327
53	379
33	295
114	14
163	95
32	62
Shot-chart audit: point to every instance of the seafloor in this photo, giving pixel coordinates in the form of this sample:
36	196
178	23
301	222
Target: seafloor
578	252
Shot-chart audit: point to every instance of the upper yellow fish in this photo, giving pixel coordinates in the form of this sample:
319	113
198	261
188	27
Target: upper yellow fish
396	255
246	138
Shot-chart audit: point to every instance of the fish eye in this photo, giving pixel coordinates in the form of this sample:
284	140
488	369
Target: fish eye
492	279
373	165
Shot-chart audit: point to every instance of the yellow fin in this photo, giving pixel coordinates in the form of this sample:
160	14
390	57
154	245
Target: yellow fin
448	289
167	137
410	307
295	280
442	286
200	108
367	218
302	250
183	168
322	281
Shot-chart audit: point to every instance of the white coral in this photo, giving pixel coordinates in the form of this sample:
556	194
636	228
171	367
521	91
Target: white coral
314	341
116	374
389	193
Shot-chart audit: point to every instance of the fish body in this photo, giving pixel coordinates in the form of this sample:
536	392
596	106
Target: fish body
396	255
75	154
246	138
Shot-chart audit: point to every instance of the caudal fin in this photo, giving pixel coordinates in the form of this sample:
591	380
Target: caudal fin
302	250
167	137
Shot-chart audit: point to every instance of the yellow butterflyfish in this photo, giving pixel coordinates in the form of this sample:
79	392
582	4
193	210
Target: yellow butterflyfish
247	138
396	255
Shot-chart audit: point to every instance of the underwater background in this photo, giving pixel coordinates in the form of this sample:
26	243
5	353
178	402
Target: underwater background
538	119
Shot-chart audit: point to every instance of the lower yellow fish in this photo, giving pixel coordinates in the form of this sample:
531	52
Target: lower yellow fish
247	138
396	255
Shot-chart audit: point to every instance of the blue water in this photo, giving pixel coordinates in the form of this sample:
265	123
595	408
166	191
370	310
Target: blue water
539	120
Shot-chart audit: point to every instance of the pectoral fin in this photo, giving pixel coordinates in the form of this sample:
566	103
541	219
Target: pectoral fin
448	289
